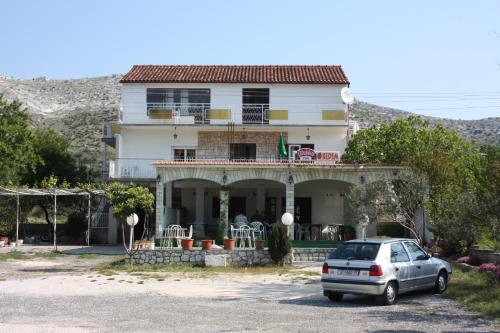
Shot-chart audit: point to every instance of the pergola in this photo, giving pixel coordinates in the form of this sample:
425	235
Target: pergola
18	192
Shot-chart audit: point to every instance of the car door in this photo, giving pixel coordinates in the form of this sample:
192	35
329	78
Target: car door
401	263
421	270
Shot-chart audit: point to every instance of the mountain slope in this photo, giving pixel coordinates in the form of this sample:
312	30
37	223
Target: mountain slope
77	109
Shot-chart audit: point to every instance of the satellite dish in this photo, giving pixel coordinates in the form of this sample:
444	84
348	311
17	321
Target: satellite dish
132	219
347	96
287	219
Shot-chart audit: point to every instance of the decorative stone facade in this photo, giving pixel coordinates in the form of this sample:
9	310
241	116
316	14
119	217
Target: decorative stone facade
240	257
213	145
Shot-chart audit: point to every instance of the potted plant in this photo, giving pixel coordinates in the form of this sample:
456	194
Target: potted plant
187	243
5	240
228	243
206	244
259	243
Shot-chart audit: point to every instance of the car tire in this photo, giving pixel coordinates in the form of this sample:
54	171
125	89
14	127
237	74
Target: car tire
335	297
390	294
441	283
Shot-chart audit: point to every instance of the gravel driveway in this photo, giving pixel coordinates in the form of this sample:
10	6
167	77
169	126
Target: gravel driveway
64	295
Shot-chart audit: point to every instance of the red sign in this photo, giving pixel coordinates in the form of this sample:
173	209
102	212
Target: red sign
305	154
308	154
327	155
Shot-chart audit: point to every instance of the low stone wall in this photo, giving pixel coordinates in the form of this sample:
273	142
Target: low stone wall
311	254
485	256
241	257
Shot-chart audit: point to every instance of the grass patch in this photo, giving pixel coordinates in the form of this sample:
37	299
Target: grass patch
13	256
192	270
477	291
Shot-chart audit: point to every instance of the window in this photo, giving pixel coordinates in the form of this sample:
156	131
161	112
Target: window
416	253
161	95
356	251
243	151
398	253
184	154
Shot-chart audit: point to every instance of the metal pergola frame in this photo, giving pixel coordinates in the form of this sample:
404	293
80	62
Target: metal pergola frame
17	192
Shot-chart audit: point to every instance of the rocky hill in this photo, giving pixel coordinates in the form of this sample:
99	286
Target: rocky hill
77	109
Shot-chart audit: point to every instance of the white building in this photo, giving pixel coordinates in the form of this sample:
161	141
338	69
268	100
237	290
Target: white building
206	138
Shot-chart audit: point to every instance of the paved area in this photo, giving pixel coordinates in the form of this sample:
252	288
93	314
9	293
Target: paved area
64	294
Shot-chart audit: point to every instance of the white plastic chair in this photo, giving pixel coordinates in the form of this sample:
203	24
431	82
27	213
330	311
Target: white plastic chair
172	232
259	229
244	234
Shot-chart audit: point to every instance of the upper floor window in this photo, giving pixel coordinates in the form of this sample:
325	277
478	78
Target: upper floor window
178	96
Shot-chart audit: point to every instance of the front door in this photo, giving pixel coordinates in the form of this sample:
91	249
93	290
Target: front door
421	268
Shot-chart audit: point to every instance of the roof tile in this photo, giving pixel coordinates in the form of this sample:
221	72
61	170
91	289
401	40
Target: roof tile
291	74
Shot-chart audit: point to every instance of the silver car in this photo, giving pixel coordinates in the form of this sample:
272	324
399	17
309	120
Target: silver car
382	267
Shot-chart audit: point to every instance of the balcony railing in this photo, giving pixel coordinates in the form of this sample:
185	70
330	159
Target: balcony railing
191	112
131	168
255	114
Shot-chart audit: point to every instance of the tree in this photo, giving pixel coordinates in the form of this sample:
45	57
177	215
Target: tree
16	151
452	167
54	159
126	199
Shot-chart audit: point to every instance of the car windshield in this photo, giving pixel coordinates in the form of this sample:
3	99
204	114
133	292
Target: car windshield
356	251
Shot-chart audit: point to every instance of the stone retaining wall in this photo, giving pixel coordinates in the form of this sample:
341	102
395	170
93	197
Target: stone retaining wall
242	257
485	256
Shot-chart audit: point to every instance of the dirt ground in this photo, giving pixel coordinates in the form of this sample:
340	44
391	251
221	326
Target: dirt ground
67	294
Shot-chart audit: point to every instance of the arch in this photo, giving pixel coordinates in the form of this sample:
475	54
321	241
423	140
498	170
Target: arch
234	176
170	175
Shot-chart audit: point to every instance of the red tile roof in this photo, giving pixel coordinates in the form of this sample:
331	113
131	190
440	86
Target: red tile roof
296	74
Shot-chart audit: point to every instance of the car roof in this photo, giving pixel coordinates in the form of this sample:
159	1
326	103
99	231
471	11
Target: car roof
378	240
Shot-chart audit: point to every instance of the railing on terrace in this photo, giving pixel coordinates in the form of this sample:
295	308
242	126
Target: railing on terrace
128	168
174	111
255	114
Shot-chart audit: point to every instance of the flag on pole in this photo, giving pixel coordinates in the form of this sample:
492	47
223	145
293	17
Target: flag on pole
282	147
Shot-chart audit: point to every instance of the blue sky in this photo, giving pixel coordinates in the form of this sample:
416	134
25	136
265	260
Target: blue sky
439	58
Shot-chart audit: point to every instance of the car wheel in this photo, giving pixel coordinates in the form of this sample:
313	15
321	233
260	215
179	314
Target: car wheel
389	295
335	297
441	283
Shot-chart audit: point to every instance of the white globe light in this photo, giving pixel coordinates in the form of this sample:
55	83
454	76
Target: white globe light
132	219
287	219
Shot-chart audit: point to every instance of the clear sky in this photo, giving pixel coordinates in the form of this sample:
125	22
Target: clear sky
439	58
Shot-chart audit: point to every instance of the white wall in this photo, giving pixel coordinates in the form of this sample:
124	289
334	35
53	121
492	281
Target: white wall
303	102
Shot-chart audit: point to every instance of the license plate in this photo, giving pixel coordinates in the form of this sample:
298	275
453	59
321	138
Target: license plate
350	272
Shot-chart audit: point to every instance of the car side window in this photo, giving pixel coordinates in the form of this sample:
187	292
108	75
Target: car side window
416	252
398	253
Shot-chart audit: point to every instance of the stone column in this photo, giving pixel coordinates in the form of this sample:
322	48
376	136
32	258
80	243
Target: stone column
200	211
224	207
160	209
290	204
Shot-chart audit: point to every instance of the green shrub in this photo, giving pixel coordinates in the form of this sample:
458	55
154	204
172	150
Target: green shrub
279	243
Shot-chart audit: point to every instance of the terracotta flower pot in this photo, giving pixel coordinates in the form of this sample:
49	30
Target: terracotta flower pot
187	244
206	245
259	244
228	244
5	239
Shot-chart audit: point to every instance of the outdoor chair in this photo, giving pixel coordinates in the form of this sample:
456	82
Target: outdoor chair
331	232
259	229
243	235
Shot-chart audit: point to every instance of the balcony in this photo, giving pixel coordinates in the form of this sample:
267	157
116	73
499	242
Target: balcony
144	169
193	113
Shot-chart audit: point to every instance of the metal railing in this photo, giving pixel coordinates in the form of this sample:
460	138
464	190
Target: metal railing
255	113
196	111
129	168
132	168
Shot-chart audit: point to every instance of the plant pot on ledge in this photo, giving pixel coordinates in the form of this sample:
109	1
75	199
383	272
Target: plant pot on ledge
228	244
206	245
259	244
187	243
